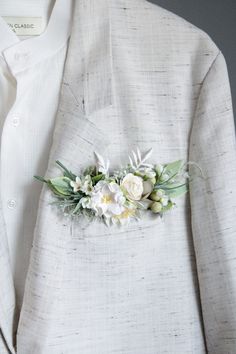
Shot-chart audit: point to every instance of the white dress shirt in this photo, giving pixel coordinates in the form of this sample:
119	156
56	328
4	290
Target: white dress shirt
31	69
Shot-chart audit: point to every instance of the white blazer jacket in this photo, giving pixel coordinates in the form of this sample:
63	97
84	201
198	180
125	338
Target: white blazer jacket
135	75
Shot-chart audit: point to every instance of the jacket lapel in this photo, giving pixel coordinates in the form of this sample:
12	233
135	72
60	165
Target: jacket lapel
88	70
86	88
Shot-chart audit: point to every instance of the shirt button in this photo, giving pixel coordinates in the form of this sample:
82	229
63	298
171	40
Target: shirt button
15	121
11	203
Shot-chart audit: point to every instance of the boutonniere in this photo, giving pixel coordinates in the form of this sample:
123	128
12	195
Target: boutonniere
118	197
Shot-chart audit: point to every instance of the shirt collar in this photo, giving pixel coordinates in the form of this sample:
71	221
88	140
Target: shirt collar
20	55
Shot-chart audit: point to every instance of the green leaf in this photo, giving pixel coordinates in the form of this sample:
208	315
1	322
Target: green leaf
91	170
53	189
78	207
176	191
67	173
41	179
60	185
78	196
173	167
97	178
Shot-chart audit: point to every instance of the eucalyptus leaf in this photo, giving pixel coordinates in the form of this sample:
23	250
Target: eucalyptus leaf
67	173
41	179
177	191
61	185
77	208
54	190
173	167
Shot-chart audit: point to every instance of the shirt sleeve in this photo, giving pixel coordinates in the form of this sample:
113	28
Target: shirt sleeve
213	207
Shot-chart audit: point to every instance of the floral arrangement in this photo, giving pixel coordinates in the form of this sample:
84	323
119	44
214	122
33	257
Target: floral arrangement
119	197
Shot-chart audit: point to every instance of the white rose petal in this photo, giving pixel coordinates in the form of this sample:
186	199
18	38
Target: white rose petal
133	185
147	188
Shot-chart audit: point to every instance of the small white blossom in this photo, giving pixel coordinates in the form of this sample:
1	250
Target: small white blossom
85	202
164	200
107	199
87	186
76	184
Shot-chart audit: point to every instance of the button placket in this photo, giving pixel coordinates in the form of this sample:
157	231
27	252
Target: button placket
11	121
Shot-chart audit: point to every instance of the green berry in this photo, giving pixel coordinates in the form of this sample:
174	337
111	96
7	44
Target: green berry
156	207
155	196
153	180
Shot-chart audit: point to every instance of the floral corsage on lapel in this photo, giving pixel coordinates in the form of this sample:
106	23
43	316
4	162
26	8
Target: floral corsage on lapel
120	196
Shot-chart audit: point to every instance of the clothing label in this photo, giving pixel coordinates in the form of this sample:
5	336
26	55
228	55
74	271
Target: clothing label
25	26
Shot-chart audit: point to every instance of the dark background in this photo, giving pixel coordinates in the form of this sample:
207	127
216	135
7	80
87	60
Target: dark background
218	19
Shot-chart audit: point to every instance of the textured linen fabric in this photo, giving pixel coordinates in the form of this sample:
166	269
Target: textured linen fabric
31	71
138	75
213	207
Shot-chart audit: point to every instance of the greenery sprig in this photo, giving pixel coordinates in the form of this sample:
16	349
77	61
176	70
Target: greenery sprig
121	196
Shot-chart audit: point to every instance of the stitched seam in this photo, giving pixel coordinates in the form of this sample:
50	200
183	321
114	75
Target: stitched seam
200	91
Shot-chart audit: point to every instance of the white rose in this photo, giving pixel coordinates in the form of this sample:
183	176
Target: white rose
133	186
